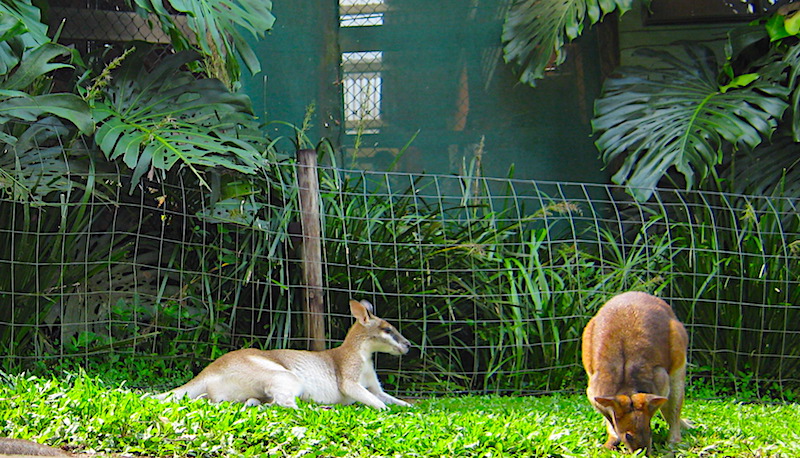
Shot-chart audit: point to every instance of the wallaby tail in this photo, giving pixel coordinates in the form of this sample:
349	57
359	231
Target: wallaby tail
193	390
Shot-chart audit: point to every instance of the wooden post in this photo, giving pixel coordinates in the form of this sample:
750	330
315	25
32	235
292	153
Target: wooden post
311	251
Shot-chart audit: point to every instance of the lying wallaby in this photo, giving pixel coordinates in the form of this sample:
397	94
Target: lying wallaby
10	446
340	375
634	351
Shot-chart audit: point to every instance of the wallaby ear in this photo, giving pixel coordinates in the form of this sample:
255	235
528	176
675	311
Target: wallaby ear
360	312
368	305
607	402
655	402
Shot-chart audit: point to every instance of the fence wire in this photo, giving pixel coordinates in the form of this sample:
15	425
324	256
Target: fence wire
492	279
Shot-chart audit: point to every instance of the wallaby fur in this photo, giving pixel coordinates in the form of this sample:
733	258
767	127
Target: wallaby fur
340	375
22	447
634	352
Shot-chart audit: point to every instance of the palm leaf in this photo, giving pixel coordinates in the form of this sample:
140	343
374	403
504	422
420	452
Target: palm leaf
166	117
19	105
681	117
535	30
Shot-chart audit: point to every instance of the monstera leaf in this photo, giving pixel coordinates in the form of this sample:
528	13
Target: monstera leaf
20	29
18	104
30	170
216	26
771	169
682	117
157	119
536	30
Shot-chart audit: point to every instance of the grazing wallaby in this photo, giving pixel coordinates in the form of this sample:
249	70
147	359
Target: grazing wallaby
341	375
10	446
634	351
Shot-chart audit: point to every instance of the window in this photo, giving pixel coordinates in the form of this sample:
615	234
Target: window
361	13
362	85
362	81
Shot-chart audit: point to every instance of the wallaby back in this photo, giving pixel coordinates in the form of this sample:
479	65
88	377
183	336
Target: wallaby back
339	375
634	352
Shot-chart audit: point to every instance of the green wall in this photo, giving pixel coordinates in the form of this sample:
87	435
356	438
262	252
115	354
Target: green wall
443	79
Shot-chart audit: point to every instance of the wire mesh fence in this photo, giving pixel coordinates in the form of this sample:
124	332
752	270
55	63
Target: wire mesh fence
492	279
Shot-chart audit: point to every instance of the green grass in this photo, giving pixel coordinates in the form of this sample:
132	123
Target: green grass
87	415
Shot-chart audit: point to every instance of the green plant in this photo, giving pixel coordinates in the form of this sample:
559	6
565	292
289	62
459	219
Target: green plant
645	120
740	287
216	27
535	32
54	179
682	111
84	413
156	119
27	61
704	119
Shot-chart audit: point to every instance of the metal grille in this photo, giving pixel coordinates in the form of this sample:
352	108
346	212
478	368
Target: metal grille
492	279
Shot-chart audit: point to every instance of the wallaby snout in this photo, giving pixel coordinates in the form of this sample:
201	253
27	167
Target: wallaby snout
631	417
634	352
396	344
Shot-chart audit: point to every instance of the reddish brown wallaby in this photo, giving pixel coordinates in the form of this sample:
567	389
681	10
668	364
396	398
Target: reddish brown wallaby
634	351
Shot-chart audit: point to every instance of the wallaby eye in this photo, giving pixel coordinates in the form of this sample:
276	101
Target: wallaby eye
628	437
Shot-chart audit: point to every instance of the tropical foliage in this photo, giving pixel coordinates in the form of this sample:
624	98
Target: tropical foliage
161	117
150	119
705	119
712	119
119	121
536	31
216	27
683	117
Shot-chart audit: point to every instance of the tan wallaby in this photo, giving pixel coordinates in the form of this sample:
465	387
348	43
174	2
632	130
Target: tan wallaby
341	375
634	351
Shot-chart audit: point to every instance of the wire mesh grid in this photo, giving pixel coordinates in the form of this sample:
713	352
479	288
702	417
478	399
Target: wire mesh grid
492	279
104	21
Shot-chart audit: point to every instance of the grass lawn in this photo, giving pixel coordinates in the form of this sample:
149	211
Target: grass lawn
87	416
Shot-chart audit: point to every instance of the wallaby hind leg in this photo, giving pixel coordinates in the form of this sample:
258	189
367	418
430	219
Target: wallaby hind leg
672	408
283	387
677	380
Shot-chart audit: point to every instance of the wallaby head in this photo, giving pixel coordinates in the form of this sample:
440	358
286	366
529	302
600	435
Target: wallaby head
375	334
630	417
